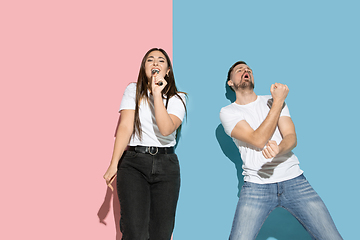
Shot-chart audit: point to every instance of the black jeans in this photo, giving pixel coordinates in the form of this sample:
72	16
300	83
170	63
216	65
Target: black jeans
148	189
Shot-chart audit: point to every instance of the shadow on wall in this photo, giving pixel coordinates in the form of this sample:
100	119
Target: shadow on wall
227	145
111	195
105	209
280	225
231	152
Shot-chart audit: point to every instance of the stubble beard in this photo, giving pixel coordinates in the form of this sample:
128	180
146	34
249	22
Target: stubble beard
245	85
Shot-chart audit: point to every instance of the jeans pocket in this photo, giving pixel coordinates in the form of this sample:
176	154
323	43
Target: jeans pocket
130	154
126	159
172	165
173	158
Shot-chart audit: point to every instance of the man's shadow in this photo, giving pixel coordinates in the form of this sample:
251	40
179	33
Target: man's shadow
227	145
280	224
231	152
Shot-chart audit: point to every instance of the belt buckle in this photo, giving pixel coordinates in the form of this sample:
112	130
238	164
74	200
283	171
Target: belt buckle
151	152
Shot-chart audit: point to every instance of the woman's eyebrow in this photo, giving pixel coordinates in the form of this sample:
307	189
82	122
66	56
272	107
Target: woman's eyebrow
154	57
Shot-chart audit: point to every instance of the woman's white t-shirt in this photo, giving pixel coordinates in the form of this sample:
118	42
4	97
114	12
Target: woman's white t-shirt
151	135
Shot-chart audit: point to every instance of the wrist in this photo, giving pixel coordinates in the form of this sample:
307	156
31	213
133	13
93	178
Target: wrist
113	163
278	101
157	96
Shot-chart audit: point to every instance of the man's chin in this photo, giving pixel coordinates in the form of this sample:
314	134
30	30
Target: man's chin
247	85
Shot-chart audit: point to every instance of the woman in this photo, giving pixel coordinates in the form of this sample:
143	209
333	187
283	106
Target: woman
148	174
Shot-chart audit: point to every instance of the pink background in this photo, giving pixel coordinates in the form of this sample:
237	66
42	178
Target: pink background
63	68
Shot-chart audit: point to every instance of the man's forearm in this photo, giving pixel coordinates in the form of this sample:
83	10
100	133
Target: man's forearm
288	143
268	126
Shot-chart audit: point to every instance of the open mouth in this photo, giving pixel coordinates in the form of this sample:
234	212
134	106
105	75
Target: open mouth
246	76
155	70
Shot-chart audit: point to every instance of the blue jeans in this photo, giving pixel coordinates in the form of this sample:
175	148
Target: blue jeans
257	201
148	189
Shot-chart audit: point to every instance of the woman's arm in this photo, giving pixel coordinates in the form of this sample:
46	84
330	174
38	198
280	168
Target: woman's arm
123	135
167	123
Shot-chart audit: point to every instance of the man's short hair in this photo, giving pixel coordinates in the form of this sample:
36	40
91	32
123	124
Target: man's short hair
231	69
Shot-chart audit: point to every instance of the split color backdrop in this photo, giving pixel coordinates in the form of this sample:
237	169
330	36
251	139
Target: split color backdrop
65	64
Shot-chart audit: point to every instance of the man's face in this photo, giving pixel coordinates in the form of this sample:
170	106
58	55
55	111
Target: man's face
241	78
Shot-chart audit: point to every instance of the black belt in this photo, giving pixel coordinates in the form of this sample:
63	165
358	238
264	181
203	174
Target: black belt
151	150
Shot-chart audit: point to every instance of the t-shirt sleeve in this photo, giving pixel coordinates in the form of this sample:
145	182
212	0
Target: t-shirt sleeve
285	111
176	106
128	99
229	119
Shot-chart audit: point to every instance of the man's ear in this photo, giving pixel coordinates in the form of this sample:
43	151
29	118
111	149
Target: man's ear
230	83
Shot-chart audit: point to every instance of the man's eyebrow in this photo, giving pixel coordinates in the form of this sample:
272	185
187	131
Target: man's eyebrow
240	67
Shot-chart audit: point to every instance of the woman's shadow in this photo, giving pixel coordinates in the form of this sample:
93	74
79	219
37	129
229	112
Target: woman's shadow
111	197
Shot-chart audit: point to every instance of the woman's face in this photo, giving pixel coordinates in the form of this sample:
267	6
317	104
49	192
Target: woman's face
156	60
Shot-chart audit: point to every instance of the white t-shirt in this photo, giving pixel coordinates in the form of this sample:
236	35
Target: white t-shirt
256	168
151	135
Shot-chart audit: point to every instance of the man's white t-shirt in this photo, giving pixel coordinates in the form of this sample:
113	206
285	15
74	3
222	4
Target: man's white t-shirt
256	168
151	135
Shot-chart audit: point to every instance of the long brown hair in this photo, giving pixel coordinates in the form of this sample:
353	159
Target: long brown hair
142	87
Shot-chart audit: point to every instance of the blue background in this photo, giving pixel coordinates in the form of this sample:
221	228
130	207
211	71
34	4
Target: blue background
313	47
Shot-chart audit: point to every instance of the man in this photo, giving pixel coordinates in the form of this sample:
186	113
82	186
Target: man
263	131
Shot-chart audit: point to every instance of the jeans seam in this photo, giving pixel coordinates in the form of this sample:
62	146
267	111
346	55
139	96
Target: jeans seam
153	165
257	233
302	223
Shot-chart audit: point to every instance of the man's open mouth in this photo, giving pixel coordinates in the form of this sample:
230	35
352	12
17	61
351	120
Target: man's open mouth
246	76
